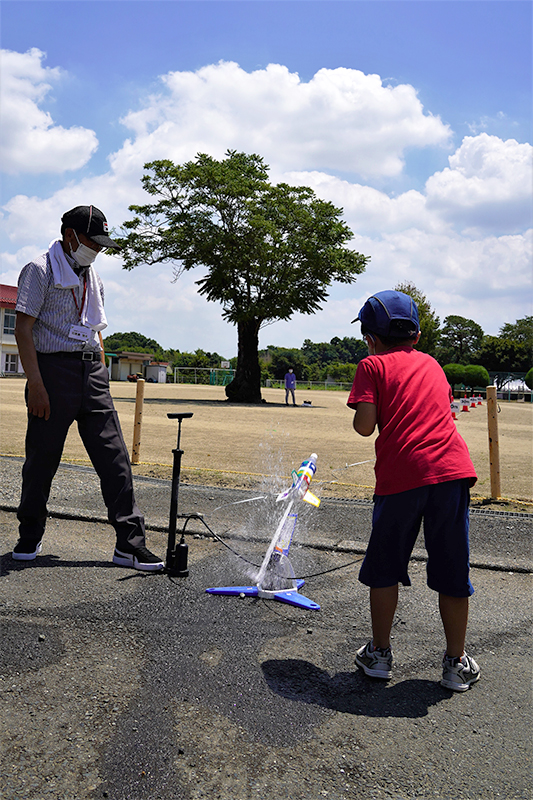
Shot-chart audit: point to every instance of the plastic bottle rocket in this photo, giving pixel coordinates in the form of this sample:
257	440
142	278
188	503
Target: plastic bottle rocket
301	479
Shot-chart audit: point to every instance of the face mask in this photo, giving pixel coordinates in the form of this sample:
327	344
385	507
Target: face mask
83	255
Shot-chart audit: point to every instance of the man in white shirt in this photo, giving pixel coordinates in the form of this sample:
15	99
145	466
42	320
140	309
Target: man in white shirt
60	317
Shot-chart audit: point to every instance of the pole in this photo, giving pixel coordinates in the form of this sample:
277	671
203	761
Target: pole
137	423
494	444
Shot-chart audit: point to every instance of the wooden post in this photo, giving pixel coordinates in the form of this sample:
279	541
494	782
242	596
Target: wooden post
494	444
137	422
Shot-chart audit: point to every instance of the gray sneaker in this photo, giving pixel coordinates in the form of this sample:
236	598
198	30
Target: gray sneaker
376	663
458	674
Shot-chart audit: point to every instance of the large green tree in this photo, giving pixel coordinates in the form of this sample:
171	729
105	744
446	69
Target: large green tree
268	250
460	339
519	331
429	322
284	358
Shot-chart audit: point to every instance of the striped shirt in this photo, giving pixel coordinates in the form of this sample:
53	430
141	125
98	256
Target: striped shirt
54	309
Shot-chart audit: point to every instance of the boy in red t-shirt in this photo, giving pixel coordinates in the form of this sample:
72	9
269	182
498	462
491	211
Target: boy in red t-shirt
423	472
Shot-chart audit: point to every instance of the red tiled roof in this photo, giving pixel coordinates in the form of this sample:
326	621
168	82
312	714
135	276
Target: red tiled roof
8	296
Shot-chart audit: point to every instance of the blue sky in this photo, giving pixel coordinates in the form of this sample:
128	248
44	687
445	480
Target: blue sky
415	117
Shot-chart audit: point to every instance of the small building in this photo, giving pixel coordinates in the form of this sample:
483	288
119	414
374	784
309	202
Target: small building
122	365
156	372
10	363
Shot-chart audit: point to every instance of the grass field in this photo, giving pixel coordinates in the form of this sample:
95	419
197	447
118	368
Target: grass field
238	445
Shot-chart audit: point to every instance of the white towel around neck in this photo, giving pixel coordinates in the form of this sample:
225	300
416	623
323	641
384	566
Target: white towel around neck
93	314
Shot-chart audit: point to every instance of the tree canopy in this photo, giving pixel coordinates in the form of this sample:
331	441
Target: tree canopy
455	373
131	342
429	322
475	375
345	350
268	250
460	338
519	331
499	354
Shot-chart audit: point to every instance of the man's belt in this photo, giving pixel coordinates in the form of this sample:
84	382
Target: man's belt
81	355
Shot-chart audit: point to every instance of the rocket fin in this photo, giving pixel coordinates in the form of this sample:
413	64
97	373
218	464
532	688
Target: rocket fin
309	497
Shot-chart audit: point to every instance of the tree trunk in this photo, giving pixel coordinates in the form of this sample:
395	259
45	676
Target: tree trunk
246	385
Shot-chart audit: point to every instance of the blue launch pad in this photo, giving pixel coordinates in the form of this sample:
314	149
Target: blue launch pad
290	596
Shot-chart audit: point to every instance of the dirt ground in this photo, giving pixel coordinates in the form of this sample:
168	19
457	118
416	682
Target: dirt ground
246	445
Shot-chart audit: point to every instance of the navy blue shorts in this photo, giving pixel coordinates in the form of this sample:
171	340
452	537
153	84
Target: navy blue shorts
396	523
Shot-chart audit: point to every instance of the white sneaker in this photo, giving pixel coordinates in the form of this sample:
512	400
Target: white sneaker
26	551
376	663
458	674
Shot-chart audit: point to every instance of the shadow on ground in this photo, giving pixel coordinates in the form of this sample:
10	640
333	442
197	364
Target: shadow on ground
165	401
351	692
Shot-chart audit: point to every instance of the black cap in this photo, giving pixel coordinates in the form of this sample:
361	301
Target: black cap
90	221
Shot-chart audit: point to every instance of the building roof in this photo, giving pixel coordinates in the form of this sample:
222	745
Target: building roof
8	296
125	354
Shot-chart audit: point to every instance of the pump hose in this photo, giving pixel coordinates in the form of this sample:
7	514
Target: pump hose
257	566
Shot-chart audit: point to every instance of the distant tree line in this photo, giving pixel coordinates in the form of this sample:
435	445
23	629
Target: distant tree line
313	362
133	342
458	344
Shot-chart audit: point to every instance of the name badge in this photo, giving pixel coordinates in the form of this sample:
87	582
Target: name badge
79	332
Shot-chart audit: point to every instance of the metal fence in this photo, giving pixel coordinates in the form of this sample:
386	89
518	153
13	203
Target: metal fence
203	375
221	377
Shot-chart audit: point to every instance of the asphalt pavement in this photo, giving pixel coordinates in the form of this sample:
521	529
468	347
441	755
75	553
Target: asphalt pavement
131	686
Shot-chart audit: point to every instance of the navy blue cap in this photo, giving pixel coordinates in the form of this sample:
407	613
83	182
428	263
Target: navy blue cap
391	314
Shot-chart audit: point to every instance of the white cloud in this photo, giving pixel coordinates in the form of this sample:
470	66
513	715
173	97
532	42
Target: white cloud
368	210
38	219
31	142
487	188
341	119
487	185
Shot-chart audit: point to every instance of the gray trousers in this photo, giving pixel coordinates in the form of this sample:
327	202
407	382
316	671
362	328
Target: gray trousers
287	390
78	391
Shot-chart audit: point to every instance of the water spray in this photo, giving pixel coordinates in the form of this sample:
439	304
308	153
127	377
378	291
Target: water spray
276	579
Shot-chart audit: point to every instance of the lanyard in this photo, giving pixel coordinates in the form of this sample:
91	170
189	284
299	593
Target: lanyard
78	308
